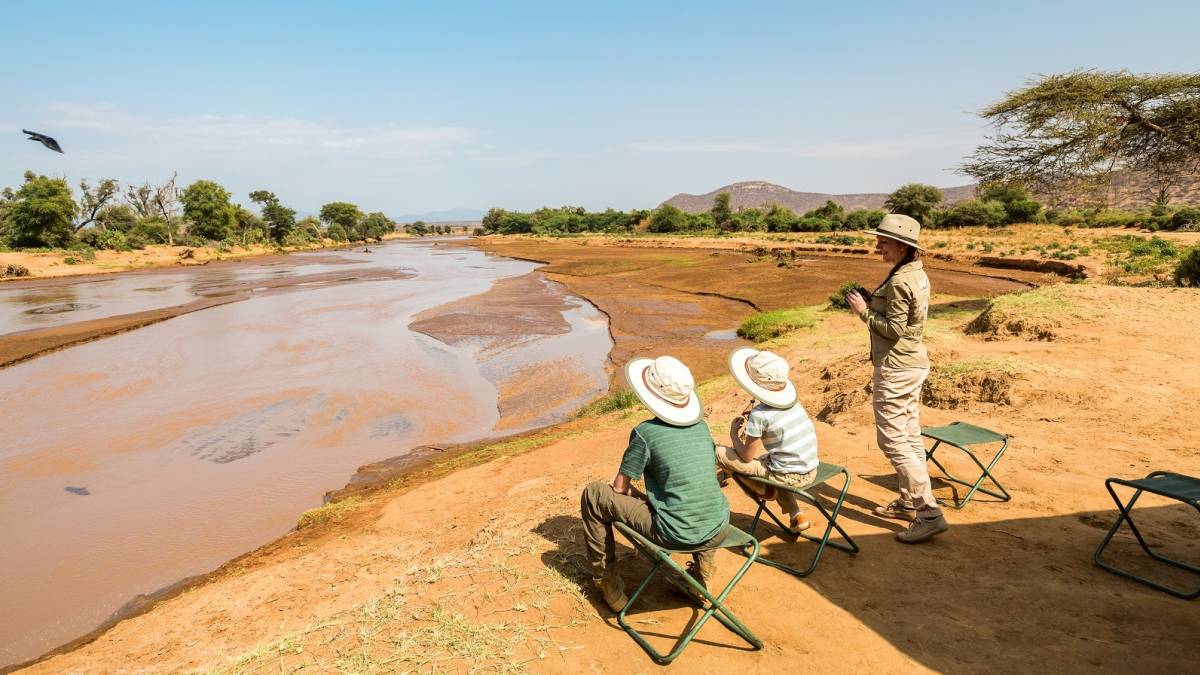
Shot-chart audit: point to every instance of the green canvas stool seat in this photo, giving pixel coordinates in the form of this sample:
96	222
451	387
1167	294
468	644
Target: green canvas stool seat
962	436
1166	484
825	471
714	605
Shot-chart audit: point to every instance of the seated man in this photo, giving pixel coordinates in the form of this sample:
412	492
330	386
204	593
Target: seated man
683	506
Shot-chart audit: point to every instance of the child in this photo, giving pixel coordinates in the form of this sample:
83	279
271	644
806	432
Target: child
774	439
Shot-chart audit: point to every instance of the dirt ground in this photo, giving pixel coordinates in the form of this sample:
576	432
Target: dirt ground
481	568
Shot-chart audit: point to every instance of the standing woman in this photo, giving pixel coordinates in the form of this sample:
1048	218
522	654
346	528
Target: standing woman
895	319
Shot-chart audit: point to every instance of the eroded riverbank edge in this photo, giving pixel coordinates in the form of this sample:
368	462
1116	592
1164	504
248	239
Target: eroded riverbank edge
427	463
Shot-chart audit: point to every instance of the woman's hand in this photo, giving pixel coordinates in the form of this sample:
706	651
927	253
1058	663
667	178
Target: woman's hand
856	302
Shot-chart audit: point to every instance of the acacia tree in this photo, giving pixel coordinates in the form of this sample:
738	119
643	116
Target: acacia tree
1076	129
915	199
280	219
375	225
206	205
344	215
93	200
722	215
157	202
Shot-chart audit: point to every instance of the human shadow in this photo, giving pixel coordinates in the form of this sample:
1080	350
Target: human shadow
654	613
1018	595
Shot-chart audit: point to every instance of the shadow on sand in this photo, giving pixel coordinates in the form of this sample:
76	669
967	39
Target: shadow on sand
1011	595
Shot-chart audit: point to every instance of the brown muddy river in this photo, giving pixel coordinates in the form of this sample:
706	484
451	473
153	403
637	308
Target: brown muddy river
139	459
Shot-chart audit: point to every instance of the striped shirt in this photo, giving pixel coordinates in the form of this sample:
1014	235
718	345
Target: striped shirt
789	436
680	465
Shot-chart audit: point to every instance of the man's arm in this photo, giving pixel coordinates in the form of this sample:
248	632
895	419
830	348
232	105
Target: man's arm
623	486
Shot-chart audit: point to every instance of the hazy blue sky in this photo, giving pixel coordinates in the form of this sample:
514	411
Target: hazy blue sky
403	107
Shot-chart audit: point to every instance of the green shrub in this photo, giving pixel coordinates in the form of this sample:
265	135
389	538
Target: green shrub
864	219
1186	219
146	232
840	239
767	325
975	212
111	240
837	299
621	399
1187	272
1022	211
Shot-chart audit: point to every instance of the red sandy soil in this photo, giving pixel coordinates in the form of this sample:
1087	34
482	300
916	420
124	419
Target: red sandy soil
481	568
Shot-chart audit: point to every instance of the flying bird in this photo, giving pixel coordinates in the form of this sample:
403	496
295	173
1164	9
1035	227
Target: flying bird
43	139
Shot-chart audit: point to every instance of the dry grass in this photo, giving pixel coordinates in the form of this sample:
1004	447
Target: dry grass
478	608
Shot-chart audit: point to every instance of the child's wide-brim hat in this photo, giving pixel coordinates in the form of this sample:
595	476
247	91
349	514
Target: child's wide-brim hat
665	386
769	384
899	227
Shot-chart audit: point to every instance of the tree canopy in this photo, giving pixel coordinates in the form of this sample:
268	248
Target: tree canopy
280	220
41	213
1064	131
344	214
206	205
916	200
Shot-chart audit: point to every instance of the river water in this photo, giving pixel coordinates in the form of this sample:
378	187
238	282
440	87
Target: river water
137	460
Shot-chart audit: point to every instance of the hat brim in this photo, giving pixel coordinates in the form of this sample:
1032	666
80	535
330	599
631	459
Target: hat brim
676	416
895	237
784	398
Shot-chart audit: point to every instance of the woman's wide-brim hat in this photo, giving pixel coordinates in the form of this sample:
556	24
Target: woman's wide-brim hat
900	228
665	386
764	376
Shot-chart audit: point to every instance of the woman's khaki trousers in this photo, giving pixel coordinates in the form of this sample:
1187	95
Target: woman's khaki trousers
896	399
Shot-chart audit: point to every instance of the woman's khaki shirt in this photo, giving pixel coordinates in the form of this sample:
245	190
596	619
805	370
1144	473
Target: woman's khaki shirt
896	319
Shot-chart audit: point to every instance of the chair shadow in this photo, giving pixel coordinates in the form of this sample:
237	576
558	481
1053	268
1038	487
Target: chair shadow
943	490
569	560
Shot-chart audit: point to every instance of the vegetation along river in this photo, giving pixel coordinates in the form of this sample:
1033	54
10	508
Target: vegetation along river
136	460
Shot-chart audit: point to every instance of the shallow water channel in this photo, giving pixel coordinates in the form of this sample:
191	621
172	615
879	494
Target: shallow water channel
139	459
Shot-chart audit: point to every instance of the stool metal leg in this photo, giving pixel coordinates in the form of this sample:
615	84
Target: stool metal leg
715	608
1126	516
831	524
977	486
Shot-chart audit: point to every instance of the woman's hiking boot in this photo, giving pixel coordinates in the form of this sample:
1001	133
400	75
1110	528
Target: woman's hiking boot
922	529
898	510
612	589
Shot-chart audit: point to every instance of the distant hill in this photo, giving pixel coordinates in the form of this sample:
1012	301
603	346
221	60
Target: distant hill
1129	190
757	193
460	215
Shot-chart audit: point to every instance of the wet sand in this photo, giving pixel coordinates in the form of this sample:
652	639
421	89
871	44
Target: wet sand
523	331
687	301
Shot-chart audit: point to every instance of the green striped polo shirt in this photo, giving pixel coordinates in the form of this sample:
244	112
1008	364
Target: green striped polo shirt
680	466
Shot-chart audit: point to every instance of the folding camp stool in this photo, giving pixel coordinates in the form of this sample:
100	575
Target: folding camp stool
715	607
1167	484
962	436
825	471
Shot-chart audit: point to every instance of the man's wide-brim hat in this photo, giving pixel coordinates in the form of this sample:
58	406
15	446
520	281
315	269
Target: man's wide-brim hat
899	227
764	376
665	386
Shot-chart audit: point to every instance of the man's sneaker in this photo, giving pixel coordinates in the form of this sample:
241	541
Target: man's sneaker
923	528
613	590
898	510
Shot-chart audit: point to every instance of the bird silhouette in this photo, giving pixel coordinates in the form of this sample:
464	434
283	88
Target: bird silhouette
44	140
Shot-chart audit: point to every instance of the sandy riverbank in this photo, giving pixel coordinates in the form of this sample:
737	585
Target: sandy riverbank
481	567
59	263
